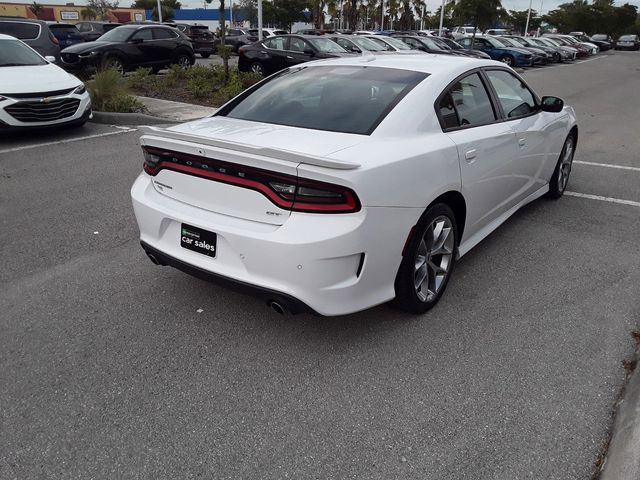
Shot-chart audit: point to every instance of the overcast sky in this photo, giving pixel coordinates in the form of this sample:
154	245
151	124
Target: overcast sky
431	4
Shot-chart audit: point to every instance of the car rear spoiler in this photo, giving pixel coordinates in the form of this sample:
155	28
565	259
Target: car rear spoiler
278	153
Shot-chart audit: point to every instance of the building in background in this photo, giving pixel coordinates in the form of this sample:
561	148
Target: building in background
68	13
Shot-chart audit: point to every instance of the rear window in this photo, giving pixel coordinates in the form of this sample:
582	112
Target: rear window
349	99
628	38
22	31
56	28
199	29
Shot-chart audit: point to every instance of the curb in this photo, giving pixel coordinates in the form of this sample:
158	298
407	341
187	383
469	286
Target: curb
113	118
622	461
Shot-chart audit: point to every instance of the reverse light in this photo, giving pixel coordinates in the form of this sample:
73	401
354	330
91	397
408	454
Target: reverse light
286	191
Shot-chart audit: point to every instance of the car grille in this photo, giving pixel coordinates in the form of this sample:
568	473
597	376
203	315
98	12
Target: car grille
43	111
70	58
54	93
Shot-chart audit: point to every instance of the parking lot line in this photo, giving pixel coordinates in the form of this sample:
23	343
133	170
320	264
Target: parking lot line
603	199
68	140
607	165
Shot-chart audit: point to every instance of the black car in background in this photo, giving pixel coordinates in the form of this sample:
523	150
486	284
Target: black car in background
628	42
90	31
283	51
131	46
66	33
202	39
237	37
603	45
602	38
35	33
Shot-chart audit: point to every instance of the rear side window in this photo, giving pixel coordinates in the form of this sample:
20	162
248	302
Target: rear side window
144	34
163	34
470	100
22	31
514	97
277	43
349	99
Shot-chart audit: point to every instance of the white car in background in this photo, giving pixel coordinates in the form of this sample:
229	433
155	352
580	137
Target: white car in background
345	183
36	93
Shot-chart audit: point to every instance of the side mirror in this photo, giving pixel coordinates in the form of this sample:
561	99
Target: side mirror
551	104
310	52
50	59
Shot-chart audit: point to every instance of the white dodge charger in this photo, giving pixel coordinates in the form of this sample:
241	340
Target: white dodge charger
343	184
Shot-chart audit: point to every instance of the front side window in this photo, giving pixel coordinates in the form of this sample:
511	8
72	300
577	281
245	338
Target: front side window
471	101
514	97
144	34
163	34
349	99
326	45
16	54
297	45
276	43
119	34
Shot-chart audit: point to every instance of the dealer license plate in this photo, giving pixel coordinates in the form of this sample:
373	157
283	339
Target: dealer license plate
198	240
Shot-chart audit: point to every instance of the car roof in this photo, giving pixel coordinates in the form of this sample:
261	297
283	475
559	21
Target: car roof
22	20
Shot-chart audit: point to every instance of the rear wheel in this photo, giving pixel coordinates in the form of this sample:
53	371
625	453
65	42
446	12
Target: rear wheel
428	261
257	67
508	60
560	177
183	61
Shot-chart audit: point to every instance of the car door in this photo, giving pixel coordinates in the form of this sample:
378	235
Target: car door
486	150
140	48
165	43
275	58
296	51
519	108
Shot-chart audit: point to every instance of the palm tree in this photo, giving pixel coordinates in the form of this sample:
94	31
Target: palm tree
36	8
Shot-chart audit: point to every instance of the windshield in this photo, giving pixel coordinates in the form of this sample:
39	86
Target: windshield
349	99
599	37
366	44
431	44
521	42
16	54
326	45
399	44
453	45
440	43
627	38
119	34
495	42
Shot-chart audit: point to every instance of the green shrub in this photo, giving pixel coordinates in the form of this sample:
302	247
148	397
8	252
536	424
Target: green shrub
124	103
108	94
199	87
139	78
175	75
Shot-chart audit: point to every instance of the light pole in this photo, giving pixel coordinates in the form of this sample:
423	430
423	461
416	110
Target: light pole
259	20
526	28
159	12
381	15
441	17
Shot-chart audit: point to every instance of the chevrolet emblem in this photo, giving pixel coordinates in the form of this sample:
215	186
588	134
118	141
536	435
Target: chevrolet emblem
45	100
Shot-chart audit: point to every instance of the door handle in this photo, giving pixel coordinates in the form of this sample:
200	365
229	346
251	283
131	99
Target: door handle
522	142
264	52
470	155
289	57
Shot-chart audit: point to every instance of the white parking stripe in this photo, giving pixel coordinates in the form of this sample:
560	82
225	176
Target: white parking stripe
603	199
68	140
621	167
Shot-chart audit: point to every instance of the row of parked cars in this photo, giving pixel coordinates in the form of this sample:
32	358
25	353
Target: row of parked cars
281	51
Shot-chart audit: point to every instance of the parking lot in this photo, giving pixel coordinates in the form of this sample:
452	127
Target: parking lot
112	367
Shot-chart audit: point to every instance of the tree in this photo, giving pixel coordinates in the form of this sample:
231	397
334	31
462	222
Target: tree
168	8
36	8
223	49
479	13
88	14
102	8
518	20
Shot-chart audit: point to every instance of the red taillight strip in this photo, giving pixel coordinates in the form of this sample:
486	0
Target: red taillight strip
228	179
349	204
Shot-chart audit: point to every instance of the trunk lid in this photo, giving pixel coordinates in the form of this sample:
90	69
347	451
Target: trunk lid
231	166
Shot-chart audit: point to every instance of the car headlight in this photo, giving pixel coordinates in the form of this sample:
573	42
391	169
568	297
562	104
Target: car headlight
88	54
80	89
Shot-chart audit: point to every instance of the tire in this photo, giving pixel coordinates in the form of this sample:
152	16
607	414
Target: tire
183	61
114	63
258	68
507	60
428	262
205	55
560	178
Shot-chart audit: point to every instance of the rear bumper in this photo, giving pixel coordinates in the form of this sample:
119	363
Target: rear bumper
329	264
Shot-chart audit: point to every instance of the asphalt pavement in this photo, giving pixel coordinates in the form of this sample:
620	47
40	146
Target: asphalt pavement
111	367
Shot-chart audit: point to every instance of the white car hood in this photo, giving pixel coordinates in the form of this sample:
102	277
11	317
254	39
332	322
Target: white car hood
302	140
36	78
